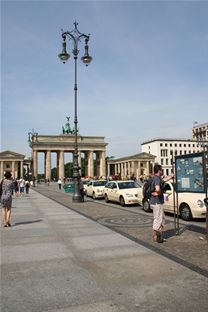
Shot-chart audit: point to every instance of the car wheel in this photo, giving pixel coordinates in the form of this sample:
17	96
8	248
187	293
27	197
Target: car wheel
122	201
106	198
146	205
93	195
185	212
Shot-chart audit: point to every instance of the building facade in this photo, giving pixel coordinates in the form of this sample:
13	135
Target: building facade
165	150
137	165
12	162
200	132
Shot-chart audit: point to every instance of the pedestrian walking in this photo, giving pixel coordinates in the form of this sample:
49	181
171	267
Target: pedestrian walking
156	202
27	186
59	184
22	186
16	187
81	187
7	186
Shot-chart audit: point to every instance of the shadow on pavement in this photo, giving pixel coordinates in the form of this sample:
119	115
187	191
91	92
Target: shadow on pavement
27	222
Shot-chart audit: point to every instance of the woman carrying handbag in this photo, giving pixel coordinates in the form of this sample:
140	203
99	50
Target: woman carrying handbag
6	198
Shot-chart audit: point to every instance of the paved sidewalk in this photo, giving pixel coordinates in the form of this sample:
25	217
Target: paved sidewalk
190	248
54	259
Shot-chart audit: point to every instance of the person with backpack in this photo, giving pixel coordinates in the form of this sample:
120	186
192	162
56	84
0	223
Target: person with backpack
27	186
16	187
156	202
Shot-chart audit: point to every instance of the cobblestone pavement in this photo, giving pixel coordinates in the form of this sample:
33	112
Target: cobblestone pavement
190	248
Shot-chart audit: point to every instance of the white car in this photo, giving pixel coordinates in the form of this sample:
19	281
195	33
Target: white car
123	192
190	205
94	188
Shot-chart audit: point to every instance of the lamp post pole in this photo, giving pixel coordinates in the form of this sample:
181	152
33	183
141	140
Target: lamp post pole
75	36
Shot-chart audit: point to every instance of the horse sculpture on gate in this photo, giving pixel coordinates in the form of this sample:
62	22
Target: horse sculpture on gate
67	128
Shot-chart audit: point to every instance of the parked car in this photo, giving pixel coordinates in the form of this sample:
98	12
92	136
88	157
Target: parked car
123	192
94	188
191	205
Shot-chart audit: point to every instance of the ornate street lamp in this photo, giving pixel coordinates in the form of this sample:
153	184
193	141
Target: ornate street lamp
75	36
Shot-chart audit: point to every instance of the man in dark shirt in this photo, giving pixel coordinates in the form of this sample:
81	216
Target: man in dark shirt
156	202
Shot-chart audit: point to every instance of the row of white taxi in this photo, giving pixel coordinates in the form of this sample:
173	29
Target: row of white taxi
190	205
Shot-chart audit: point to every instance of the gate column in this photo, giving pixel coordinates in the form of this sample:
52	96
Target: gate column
13	170
148	167
48	165
102	169
90	167
35	164
2	169
122	170
57	165
21	169
61	165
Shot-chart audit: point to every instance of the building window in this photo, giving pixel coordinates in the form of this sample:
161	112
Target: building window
175	144
162	162
167	172
171	144
167	161
164	153
166	144
161	144
180	145
184	145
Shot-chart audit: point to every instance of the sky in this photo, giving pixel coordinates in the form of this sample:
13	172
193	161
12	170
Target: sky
148	77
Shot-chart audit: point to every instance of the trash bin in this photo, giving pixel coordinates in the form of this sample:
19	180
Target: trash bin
69	188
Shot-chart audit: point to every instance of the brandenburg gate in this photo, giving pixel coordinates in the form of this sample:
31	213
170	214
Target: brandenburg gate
92	148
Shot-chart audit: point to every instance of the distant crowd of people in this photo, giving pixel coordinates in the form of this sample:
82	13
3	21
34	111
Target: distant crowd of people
21	186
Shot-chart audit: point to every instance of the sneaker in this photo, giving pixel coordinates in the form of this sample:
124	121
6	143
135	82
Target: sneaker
159	237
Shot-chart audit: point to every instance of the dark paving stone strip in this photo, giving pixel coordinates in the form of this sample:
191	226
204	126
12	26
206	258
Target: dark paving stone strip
93	211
